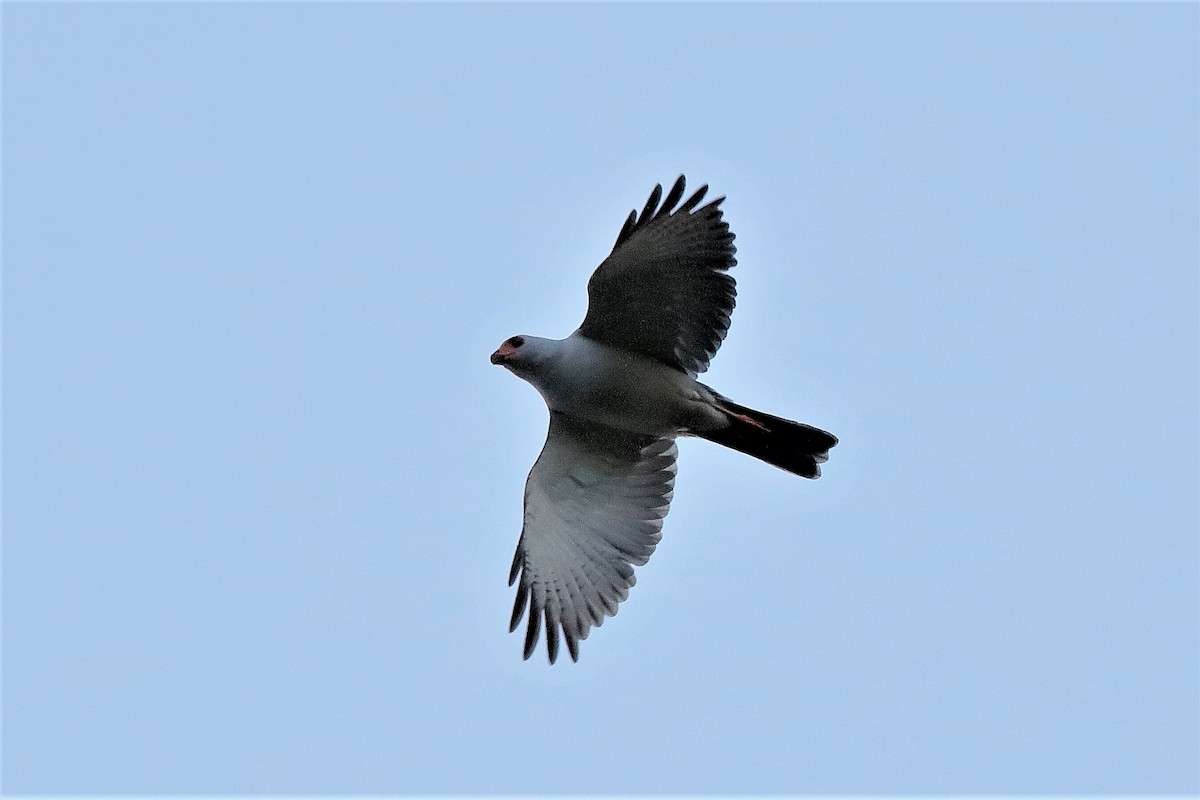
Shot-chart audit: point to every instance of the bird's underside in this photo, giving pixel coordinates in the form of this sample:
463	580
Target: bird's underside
620	389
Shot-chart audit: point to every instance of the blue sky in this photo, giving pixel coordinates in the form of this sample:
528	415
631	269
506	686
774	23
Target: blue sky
262	486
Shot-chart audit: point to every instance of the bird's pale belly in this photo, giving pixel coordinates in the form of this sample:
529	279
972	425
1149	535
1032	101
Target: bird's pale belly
631	392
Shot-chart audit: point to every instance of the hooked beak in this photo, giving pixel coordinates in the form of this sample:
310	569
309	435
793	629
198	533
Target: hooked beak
501	355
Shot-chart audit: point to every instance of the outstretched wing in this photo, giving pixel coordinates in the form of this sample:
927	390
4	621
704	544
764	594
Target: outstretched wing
594	508
665	290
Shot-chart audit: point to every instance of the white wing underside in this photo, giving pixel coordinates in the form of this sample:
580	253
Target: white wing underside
594	508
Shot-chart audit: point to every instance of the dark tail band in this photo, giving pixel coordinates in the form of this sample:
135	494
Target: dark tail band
792	446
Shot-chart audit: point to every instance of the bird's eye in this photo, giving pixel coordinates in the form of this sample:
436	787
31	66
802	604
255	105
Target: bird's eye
516	341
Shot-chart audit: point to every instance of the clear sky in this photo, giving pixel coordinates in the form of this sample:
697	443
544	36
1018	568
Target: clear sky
262	486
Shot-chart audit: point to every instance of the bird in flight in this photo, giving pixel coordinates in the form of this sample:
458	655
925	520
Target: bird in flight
620	389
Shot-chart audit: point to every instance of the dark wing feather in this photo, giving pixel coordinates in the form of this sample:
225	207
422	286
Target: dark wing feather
594	507
665	290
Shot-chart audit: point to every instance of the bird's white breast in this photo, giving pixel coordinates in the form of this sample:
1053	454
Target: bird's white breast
622	389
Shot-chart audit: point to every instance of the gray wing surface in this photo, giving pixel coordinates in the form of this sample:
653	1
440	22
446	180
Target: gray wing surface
594	507
665	290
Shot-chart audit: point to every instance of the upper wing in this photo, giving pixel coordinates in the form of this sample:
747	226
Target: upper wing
594	507
665	290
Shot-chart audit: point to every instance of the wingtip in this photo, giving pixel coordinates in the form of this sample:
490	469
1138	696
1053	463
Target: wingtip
515	569
653	210
652	203
672	198
531	634
519	604
694	200
679	186
626	229
551	635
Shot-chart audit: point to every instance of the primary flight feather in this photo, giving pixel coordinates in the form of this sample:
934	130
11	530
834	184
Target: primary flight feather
620	389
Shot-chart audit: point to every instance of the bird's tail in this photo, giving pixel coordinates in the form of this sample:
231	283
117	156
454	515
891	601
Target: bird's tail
792	446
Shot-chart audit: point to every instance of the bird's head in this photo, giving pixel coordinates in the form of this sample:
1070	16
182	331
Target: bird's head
509	352
522	354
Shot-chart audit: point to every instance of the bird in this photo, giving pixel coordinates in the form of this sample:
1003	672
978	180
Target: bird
620	390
